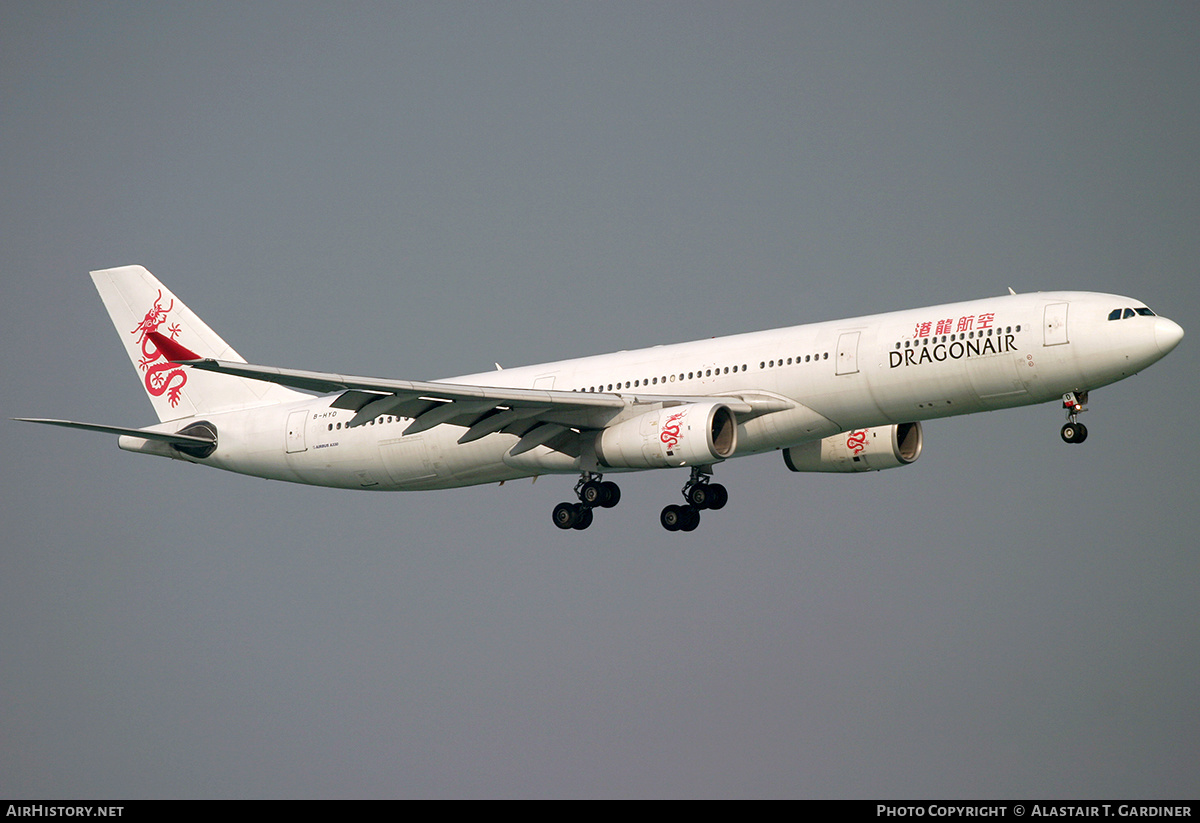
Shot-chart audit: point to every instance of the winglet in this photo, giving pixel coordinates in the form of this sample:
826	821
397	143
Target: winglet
173	351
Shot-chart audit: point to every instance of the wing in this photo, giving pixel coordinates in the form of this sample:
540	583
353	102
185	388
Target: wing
538	416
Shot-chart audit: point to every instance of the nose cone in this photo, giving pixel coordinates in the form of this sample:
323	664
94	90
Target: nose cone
1167	334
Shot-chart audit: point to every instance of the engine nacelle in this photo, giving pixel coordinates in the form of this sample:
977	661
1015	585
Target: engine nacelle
688	435
860	450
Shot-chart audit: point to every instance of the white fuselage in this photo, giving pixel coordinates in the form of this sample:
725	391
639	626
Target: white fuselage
878	370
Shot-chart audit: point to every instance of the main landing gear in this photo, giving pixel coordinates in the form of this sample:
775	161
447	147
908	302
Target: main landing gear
699	493
592	491
1075	403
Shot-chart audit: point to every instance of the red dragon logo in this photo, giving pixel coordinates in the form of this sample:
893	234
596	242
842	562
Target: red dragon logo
856	441
670	430
161	377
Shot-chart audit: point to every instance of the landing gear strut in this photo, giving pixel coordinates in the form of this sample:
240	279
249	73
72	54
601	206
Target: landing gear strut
592	491
699	493
1074	431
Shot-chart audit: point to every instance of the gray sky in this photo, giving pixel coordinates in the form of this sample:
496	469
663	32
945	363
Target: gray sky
418	190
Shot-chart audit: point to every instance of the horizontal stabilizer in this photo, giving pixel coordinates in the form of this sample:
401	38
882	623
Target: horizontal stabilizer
164	437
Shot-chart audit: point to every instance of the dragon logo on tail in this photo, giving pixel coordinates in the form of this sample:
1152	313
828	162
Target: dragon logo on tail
162	376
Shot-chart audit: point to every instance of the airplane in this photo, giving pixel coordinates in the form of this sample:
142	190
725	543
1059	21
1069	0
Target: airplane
839	396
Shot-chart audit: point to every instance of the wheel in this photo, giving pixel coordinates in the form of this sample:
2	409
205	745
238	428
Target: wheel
1068	433
592	493
691	519
699	496
720	496
584	520
612	494
671	518
566	515
1080	433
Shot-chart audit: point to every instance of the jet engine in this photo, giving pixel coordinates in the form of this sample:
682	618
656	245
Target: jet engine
859	450
685	435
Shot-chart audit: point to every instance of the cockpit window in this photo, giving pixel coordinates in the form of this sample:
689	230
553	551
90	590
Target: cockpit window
1125	314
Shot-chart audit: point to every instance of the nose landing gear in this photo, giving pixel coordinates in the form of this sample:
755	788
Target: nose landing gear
1073	431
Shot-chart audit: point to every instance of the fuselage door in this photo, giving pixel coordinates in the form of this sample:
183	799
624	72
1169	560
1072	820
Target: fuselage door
295	431
1055	325
847	353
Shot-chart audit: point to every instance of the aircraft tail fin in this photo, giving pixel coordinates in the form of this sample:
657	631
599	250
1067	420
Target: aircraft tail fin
139	304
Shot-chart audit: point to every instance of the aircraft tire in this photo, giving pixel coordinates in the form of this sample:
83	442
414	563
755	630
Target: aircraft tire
592	493
584	519
691	519
566	515
671	518
612	494
699	496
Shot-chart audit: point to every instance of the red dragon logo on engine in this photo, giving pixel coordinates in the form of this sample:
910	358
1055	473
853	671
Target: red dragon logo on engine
670	430
161	377
856	441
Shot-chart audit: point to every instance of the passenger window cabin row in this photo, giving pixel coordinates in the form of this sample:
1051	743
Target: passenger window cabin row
970	335
700	374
